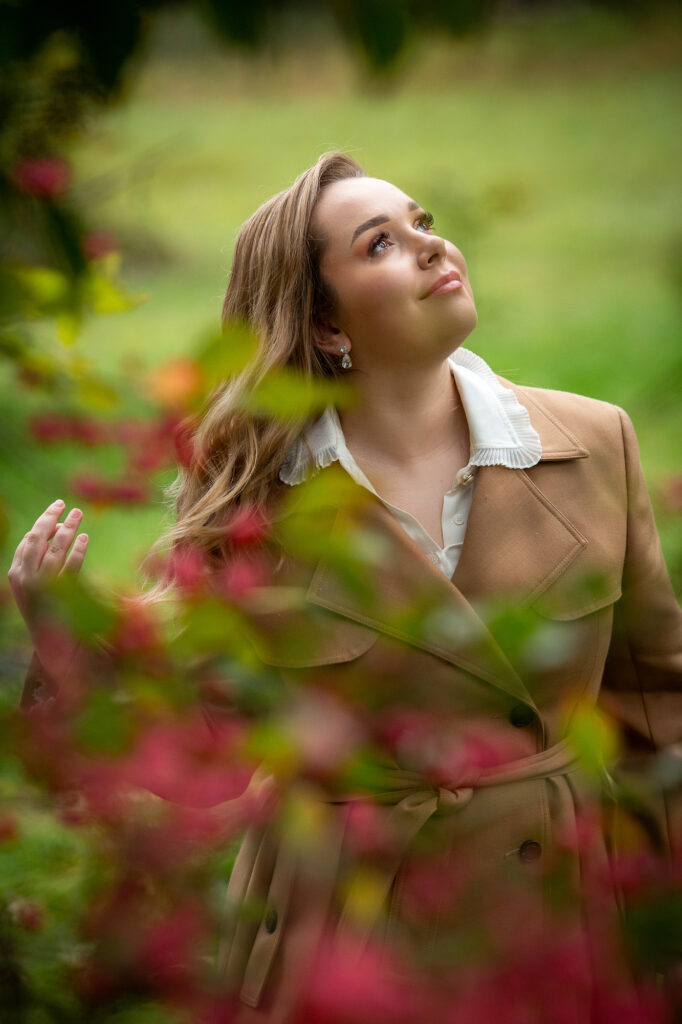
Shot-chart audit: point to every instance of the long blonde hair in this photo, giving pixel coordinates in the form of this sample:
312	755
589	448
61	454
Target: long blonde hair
276	287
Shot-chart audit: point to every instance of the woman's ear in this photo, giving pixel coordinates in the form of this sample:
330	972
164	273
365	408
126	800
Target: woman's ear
330	338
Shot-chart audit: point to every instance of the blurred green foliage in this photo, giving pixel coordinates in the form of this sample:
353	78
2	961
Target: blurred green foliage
545	147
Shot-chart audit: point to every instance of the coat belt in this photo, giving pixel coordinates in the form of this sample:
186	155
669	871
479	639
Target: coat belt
412	800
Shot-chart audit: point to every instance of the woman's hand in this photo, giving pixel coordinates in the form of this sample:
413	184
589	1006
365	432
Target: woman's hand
35	565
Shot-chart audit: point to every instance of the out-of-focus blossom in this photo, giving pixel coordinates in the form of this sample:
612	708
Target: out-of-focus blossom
240	575
88	487
184	763
447	755
433	885
44	178
8	827
324	733
368	833
136	629
176	383
349	984
187	567
54	427
246	526
27	914
127	492
99	243
183	443
169	950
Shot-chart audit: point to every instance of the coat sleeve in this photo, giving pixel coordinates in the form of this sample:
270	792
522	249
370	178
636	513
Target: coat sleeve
41	686
642	684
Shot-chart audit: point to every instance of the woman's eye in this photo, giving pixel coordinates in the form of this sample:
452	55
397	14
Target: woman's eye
376	245
376	242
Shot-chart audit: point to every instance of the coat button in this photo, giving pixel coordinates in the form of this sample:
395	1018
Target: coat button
521	715
270	920
529	850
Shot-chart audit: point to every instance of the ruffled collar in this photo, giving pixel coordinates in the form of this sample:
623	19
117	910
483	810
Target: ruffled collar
500	430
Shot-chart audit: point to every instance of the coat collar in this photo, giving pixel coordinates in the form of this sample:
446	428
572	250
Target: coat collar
517	543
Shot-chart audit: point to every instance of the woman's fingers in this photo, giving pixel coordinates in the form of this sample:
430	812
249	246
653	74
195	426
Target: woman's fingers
53	559
34	545
77	554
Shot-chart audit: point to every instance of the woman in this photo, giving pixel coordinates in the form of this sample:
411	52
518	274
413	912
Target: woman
513	581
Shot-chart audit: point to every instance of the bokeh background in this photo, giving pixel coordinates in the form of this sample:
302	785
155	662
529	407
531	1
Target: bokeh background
134	141
542	137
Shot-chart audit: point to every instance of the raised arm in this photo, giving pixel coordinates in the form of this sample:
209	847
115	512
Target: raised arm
45	552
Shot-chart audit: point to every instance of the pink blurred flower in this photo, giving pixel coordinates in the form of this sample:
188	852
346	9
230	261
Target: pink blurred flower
27	914
324	732
184	445
8	827
42	177
187	567
54	427
99	243
448	754
128	492
128	432
136	629
348	984
184	763
246	526
169	950
367	832
433	885
240	575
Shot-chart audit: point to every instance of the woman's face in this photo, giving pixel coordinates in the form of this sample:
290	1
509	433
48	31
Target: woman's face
382	256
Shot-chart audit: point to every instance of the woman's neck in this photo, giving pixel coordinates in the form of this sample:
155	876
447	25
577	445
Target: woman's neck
398	420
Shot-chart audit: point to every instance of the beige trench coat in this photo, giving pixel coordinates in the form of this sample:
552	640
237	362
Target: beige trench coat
573	539
573	542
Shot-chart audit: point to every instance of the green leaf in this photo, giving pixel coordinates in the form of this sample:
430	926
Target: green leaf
213	626
105	726
96	394
69	323
44	287
593	737
223	354
289	395
79	607
106	296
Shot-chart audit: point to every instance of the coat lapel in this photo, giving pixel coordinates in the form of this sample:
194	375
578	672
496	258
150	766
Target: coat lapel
517	543
410	599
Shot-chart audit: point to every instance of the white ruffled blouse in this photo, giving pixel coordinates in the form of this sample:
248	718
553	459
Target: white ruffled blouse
500	434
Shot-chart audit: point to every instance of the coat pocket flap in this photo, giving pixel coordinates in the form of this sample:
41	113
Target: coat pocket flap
570	599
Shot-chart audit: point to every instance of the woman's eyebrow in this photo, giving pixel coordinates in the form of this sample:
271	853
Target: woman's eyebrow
380	218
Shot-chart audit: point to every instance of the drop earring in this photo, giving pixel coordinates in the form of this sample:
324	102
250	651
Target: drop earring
346	362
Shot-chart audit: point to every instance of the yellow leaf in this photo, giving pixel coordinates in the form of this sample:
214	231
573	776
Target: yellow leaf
106	296
290	395
47	287
223	354
68	325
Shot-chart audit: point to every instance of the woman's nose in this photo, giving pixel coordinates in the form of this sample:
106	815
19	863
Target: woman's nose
431	250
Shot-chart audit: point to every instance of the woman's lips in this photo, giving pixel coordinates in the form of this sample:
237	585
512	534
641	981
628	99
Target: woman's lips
447	286
447	282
